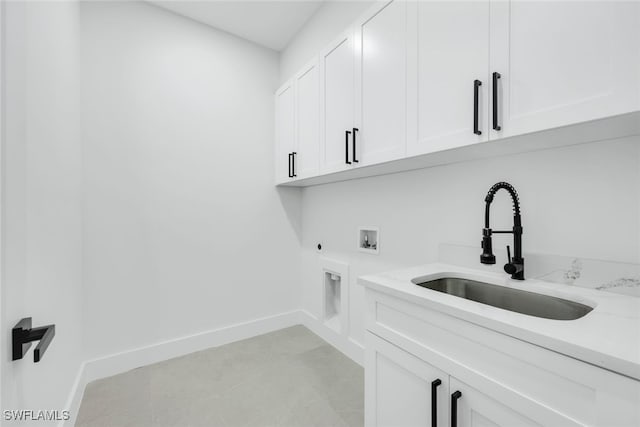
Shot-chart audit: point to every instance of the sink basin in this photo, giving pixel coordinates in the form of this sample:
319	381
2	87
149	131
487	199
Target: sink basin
524	302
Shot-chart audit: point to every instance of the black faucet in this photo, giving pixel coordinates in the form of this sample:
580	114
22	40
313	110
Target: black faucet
515	266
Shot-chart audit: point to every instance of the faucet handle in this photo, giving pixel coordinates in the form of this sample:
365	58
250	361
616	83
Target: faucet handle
509	267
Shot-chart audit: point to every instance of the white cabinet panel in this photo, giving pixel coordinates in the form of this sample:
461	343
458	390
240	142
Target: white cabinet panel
474	408
337	75
381	43
307	121
564	62
285	131
451	50
398	387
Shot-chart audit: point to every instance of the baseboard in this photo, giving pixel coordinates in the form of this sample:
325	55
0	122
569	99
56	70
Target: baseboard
347	345
114	364
75	397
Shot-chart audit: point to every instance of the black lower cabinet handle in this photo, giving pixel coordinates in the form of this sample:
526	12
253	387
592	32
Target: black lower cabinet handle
434	402
496	77
476	106
354	145
346	146
454	408
293	165
290	175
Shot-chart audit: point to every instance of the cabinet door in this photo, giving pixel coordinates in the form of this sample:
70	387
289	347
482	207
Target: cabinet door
474	408
398	388
307	121
285	131
449	53
563	62
336	115
381	78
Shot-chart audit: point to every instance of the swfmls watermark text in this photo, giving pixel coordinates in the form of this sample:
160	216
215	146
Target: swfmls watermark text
35	415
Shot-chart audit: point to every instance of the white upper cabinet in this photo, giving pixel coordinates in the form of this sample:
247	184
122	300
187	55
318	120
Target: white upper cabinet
307	121
297	126
337	104
448	75
411	78
381	82
285	132
563	62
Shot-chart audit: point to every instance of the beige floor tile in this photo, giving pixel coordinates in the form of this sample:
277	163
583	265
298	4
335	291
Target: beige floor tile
289	377
119	401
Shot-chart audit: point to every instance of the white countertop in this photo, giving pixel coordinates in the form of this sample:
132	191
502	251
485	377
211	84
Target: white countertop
608	336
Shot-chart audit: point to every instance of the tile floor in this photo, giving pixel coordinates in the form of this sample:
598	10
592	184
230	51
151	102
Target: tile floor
289	377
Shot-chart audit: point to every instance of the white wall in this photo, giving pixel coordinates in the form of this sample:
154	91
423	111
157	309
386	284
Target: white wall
331	18
41	199
581	201
184	230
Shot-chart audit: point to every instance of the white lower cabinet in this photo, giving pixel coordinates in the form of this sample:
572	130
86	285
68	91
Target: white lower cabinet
483	377
403	390
473	408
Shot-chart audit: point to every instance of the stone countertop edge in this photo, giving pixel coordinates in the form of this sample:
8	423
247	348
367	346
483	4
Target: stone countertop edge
607	337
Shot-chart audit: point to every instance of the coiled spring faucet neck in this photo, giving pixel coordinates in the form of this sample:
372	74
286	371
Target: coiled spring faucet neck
515	266
491	194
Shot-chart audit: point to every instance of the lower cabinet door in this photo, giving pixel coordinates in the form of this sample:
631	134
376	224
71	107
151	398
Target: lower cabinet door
471	407
402	390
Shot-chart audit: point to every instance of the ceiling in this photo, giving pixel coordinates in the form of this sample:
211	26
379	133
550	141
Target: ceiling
268	23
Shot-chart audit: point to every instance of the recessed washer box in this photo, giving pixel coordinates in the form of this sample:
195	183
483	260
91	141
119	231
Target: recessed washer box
335	295
369	240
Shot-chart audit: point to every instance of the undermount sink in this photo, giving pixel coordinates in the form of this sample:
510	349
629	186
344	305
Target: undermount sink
523	302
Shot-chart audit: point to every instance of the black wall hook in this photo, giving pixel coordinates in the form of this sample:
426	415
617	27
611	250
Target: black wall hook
22	335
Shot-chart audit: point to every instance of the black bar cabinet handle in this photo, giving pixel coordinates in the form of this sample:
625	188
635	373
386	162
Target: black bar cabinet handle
290	176
293	165
476	101
496	77
346	146
434	402
354	145
454	408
